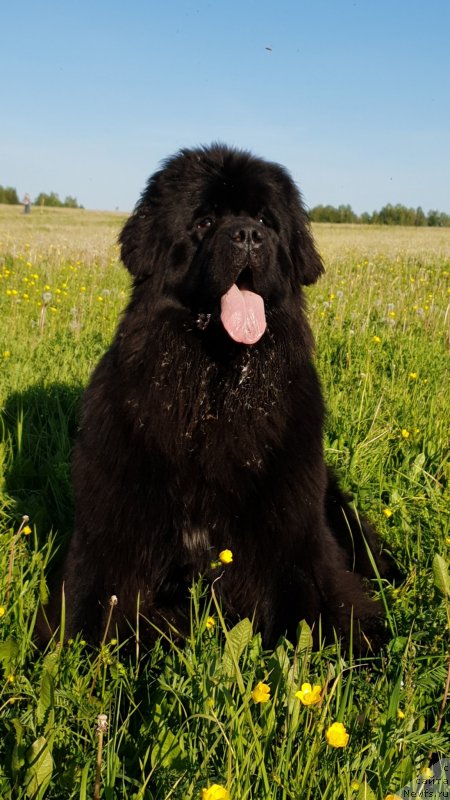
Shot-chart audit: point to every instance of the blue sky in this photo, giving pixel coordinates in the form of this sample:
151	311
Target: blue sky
353	97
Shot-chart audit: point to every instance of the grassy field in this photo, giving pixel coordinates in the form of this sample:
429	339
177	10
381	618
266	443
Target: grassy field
187	722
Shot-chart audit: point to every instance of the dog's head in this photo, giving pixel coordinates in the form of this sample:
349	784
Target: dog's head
219	229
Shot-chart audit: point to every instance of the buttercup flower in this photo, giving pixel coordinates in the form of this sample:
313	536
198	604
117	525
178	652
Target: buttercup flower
387	512
209	624
226	556
376	340
413	376
400	714
336	735
2	611
405	433
426	773
261	693
26	530
308	694
215	792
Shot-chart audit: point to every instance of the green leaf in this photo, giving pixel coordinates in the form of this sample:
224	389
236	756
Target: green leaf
8	652
237	640
366	793
51	663
46	697
440	575
43	590
305	638
168	751
18	754
40	767
417	465
84	782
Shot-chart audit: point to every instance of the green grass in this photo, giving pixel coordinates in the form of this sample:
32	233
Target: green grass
183	719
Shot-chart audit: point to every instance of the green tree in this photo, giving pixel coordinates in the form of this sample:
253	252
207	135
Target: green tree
71	202
51	200
9	196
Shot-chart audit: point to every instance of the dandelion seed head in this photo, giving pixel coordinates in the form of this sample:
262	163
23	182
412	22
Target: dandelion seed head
102	723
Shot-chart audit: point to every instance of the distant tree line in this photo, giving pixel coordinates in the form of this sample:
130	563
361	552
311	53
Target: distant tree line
9	196
388	215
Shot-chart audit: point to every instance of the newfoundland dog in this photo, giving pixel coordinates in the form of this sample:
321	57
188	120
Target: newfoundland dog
201	428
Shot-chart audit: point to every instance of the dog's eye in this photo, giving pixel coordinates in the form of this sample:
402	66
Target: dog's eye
262	219
205	223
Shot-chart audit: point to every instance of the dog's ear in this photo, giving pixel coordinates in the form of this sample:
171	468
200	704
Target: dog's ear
134	241
308	262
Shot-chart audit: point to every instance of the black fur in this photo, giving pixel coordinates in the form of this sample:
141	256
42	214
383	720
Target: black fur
191	443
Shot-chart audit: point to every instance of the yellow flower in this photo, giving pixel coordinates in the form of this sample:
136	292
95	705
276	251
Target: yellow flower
209	624
376	340
354	785
309	695
405	433
215	792
400	714
226	556
6	353
413	376
261	693
2	611
26	530
336	735
10	678
427	773
392	797
387	512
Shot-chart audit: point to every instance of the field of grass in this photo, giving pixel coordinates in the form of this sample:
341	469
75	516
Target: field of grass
186	722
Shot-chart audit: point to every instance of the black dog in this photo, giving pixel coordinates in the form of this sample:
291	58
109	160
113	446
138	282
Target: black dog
202	425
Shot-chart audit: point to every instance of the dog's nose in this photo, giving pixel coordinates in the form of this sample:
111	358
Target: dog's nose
247	236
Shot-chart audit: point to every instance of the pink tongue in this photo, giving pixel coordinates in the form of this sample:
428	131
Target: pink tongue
242	315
